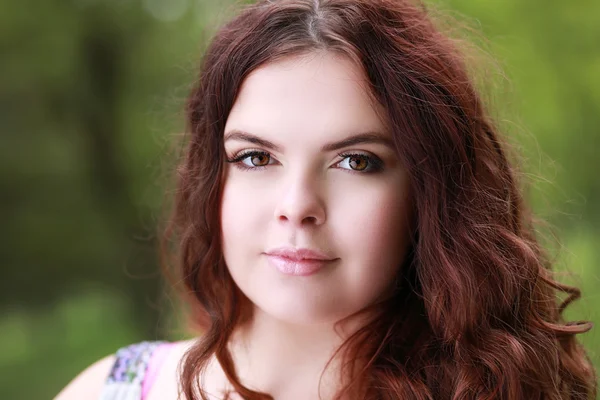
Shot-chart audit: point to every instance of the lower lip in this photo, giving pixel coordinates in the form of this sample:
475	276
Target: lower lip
297	268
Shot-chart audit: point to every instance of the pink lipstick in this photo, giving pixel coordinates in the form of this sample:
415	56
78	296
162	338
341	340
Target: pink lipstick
298	262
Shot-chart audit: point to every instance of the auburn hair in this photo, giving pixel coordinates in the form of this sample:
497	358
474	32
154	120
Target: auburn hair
476	314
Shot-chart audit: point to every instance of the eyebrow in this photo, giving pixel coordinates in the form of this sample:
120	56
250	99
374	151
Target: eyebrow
361	138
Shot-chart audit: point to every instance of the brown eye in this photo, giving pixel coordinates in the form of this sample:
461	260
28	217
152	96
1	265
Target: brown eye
363	163
252	160
260	160
357	163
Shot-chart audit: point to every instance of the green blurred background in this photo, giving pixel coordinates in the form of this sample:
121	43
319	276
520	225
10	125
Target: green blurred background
91	100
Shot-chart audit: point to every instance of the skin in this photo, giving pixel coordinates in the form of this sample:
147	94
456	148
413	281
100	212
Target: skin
303	197
306	197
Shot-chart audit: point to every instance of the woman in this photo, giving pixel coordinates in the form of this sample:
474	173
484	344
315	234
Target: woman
350	226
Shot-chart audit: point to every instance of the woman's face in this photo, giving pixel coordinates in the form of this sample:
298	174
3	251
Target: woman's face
311	167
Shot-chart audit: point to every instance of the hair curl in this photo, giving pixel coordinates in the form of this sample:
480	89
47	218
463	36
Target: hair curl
476	315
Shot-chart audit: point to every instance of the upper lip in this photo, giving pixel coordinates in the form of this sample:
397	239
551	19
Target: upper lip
298	254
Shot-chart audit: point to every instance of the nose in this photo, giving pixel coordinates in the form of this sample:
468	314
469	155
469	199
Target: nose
301	203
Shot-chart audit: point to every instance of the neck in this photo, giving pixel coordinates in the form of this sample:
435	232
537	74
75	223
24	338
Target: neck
286	360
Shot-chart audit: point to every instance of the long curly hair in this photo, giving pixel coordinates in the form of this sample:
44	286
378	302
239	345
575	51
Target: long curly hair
476	314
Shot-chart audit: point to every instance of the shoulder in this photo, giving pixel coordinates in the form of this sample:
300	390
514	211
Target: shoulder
165	381
114	375
89	383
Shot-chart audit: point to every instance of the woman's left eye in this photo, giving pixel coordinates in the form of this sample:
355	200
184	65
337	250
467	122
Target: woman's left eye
361	162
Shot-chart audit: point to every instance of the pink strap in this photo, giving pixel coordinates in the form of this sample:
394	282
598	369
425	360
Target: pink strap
158	357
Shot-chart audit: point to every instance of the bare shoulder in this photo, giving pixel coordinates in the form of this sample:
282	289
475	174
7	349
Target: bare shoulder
88	384
166	385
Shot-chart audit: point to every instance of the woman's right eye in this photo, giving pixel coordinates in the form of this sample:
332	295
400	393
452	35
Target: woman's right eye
252	160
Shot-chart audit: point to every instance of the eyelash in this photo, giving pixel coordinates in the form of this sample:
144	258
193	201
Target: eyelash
375	163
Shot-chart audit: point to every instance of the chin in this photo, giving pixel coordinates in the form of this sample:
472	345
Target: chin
300	311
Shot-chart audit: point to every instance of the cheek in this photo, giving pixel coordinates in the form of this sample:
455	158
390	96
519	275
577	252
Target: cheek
234	217
375	236
243	214
378	220
386	225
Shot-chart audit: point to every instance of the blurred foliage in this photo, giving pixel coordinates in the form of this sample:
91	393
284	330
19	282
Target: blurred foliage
91	96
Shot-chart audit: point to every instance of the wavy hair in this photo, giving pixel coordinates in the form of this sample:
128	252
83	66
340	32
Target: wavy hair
476	314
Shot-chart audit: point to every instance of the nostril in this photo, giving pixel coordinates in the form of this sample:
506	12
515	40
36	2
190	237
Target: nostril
310	219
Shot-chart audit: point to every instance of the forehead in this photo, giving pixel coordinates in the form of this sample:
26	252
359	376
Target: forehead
310	97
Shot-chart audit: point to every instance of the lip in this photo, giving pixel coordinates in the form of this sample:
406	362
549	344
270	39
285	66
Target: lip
299	254
298	262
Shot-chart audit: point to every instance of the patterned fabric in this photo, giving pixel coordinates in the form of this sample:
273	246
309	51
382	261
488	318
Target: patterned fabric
127	374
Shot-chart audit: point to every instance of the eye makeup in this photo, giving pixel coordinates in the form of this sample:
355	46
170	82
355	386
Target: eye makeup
374	163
